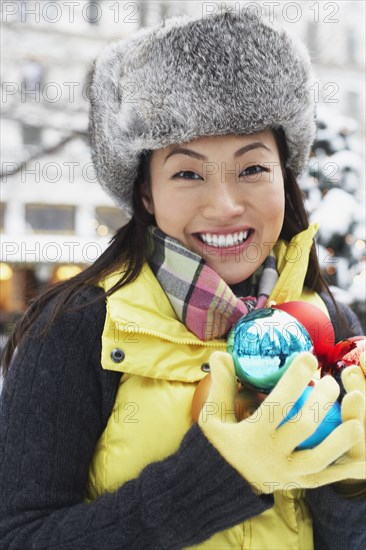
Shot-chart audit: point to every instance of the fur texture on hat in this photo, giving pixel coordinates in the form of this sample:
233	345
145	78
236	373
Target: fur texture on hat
226	73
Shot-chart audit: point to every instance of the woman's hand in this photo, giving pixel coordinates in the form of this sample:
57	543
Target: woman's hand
264	455
353	406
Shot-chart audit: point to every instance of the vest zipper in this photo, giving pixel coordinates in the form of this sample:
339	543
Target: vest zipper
207	343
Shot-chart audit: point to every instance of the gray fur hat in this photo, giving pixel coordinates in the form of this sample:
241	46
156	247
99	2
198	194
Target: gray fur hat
226	73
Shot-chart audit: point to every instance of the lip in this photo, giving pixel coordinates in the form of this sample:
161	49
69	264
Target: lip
235	248
224	230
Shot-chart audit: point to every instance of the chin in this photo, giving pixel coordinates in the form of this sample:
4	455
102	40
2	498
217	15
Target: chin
231	278
234	280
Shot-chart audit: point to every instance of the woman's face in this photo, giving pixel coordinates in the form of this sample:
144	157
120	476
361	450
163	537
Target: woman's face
222	197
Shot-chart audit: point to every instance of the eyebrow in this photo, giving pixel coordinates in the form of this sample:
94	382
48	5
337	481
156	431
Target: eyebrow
194	154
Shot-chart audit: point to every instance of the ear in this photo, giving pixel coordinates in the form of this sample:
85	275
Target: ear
147	199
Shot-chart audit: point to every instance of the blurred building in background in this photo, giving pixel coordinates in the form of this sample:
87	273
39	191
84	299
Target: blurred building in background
55	218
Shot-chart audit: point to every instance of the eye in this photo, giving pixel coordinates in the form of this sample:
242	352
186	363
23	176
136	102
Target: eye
187	174
254	170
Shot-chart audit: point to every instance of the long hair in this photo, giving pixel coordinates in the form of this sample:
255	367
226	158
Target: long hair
128	251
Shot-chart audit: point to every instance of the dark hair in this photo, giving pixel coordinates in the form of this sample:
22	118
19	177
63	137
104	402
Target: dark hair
128	251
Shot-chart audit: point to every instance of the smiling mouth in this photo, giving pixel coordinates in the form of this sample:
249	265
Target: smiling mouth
223	241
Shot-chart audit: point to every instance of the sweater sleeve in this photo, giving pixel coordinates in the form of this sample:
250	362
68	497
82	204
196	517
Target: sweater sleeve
55	404
338	521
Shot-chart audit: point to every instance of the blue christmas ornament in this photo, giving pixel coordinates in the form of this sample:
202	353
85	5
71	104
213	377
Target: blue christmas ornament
332	419
260	344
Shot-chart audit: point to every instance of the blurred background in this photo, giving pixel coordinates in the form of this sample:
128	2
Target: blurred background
54	217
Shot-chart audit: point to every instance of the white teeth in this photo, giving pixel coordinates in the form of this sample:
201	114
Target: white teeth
224	240
230	240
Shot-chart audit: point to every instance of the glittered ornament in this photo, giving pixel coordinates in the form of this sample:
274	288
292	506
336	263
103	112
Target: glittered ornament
344	354
246	400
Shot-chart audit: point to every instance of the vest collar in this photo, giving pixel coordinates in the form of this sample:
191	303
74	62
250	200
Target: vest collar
143	305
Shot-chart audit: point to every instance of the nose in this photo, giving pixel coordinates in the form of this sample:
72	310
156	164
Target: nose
222	202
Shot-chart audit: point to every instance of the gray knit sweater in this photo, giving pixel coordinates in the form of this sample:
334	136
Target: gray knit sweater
55	404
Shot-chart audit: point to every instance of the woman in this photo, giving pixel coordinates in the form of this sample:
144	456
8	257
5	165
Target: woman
198	128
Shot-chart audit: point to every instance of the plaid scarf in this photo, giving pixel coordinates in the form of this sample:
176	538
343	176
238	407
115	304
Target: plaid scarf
200	298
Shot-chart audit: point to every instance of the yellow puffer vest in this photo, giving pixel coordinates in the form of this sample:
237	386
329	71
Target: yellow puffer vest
152	412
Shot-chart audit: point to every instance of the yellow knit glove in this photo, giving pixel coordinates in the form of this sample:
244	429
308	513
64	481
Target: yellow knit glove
353	406
266	456
353	403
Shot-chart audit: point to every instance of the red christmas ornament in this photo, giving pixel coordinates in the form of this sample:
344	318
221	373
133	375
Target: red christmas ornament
317	324
344	354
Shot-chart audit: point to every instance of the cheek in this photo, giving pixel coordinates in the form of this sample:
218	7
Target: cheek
277	206
171	212
274	211
276	201
272	204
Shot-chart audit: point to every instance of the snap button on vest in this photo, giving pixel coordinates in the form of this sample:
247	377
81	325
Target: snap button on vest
205	367
117	355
